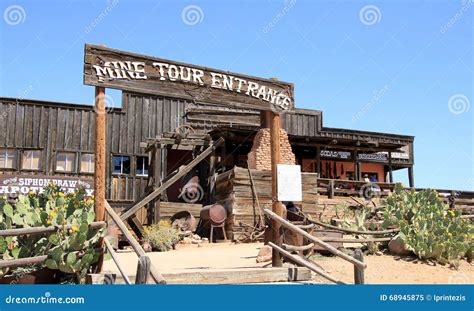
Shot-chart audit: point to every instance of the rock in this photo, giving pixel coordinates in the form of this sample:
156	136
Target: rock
187	240
395	247
264	254
194	241
196	237
147	246
378	253
205	239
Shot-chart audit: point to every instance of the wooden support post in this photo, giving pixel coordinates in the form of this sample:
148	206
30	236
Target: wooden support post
390	171
277	207
99	155
358	271
99	163
318	161
358	172
143	270
411	181
331	189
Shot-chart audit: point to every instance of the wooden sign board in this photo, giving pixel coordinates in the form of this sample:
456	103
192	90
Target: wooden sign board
116	69
289	183
24	184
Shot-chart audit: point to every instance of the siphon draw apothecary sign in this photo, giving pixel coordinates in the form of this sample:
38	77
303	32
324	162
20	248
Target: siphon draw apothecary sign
15	185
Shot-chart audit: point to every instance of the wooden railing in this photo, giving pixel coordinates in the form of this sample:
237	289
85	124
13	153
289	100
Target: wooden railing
340	187
357	261
13	263
144	264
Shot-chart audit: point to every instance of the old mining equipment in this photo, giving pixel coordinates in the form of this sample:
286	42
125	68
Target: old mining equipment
211	217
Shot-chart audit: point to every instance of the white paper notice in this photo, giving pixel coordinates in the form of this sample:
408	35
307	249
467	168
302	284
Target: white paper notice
289	183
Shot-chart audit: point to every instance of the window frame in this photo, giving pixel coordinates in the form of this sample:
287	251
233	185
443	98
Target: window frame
40	160
15	161
121	168
74	164
80	163
136	166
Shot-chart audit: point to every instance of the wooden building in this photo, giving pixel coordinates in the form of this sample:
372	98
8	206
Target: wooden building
56	139
161	101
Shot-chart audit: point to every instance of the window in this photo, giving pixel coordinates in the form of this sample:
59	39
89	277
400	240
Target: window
65	161
87	163
121	164
7	159
31	160
142	166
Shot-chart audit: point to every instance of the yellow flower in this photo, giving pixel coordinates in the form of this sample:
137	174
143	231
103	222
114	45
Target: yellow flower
48	222
60	194
426	233
52	214
73	229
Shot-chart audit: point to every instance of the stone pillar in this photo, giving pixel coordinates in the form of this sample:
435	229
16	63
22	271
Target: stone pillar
260	156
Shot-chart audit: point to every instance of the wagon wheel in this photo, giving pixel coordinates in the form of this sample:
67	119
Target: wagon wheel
184	130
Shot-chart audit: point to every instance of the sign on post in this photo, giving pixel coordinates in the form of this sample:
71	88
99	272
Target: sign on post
289	183
122	70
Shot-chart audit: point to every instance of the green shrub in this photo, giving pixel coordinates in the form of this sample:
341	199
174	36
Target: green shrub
161	236
428	227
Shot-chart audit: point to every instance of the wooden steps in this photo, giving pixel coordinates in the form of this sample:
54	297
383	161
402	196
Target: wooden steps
233	276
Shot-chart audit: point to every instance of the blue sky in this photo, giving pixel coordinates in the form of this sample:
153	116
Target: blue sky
401	67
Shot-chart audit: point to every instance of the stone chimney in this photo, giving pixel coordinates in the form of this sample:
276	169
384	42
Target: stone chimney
260	156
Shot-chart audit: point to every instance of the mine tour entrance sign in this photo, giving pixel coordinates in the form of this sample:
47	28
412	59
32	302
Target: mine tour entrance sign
150	75
105	67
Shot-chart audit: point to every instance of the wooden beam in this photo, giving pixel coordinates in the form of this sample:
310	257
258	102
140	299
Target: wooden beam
182	171
277	207
143	270
304	262
136	226
13	263
133	243
238	275
41	230
358	272
411	179
294	248
99	162
114	256
344	240
390	170
285	223
322	224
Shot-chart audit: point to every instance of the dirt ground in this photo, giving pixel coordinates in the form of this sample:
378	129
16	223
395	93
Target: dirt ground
385	269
